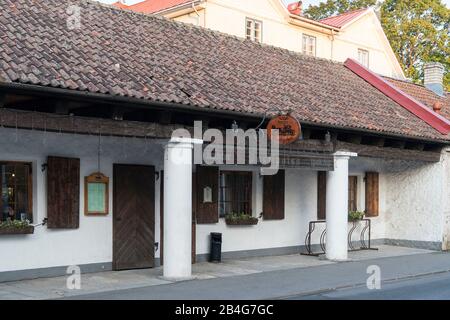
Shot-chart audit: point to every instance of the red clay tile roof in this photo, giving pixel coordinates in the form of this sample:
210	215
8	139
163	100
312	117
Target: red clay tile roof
340	20
120	5
152	6
424	95
117	52
435	120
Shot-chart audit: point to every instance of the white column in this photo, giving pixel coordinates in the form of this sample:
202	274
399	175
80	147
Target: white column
337	208
178	209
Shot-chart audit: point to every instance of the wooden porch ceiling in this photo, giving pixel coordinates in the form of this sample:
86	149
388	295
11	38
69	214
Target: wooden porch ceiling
91	117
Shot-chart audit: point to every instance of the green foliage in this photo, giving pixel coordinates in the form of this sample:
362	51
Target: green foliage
418	30
239	217
333	7
355	215
14	224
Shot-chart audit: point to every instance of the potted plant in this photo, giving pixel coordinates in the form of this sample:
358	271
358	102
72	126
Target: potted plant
355	215
240	219
16	227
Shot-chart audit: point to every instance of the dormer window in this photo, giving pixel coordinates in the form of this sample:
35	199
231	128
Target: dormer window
253	30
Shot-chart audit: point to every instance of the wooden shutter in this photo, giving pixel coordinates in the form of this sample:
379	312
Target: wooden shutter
207	212
352	193
63	193
273	196
321	195
372	194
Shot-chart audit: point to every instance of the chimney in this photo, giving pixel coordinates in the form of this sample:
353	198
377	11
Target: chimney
434	77
295	8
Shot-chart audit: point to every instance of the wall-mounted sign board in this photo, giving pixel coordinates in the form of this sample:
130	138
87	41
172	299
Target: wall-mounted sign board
96	194
289	128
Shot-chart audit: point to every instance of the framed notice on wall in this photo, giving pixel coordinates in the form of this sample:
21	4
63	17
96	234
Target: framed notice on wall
96	195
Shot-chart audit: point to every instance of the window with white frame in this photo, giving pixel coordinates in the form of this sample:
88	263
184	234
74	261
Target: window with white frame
363	57
253	30
309	45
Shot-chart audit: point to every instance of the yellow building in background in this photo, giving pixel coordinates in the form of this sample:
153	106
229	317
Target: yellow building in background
357	34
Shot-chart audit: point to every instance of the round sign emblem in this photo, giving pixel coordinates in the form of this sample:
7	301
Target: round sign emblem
289	128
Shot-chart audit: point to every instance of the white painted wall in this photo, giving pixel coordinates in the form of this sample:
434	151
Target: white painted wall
92	242
366	33
411	206
411	202
446	199
228	16
301	204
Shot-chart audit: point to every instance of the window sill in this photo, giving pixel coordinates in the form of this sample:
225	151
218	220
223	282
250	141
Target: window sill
251	222
12	231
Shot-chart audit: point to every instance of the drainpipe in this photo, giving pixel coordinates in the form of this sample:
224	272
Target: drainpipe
198	15
196	12
332	44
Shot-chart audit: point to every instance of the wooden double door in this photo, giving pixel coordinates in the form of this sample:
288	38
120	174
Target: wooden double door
133	217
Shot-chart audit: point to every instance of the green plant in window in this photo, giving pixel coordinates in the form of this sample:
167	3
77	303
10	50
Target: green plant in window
14	224
355	215
240	218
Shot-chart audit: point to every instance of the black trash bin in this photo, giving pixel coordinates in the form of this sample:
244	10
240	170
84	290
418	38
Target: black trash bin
216	247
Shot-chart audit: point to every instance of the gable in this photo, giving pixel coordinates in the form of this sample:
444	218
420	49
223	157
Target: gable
368	24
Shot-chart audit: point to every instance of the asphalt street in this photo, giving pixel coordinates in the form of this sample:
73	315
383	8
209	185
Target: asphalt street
322	282
431	287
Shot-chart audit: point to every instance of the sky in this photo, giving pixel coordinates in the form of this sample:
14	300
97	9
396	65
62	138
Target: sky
305	2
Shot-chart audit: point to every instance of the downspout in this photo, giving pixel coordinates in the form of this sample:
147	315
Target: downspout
198	16
332	45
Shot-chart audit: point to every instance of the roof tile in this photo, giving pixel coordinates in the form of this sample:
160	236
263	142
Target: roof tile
423	94
218	71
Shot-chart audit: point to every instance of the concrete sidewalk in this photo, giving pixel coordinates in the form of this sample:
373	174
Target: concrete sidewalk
314	273
283	284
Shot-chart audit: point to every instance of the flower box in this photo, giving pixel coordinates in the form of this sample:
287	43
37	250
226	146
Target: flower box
12	230
354	216
246	222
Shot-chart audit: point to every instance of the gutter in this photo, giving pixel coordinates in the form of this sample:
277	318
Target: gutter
311	24
190	5
24	89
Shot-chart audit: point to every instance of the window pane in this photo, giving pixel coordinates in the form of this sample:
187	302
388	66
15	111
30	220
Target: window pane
253	30
309	45
235	194
14	187
257	31
249	29
363	57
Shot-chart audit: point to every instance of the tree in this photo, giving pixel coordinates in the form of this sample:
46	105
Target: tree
333	7
418	32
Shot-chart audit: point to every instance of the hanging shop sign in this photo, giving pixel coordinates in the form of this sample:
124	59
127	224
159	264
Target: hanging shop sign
96	194
289	128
